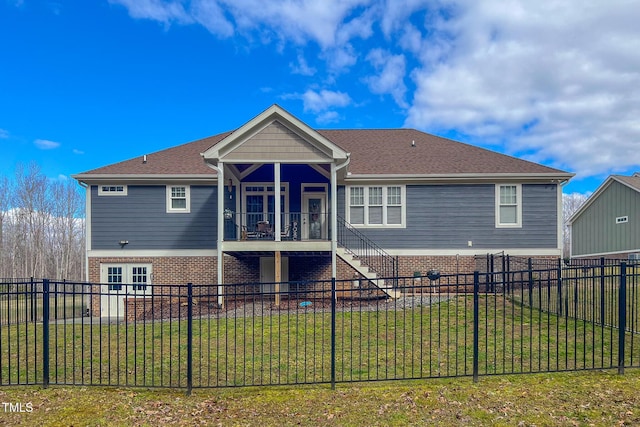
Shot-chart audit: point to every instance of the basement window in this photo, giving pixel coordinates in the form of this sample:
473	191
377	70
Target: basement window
112	190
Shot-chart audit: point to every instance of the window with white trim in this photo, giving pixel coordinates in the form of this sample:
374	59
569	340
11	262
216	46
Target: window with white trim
376	206
178	199
114	278
112	190
508	205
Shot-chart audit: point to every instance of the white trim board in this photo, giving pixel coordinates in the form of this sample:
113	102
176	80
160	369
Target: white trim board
127	253
475	251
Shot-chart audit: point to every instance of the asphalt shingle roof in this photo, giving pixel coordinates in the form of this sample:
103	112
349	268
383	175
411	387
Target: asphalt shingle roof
632	181
373	151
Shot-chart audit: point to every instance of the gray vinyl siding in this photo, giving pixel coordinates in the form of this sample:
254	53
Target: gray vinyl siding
141	218
448	216
595	231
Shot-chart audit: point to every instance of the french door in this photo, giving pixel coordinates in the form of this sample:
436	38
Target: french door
120	281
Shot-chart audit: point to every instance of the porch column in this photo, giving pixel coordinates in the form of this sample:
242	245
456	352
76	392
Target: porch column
334	219
278	275
276	195
220	233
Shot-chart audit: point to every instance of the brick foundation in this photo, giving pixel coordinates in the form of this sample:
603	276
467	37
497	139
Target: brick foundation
306	273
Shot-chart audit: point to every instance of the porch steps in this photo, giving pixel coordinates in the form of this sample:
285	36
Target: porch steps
363	270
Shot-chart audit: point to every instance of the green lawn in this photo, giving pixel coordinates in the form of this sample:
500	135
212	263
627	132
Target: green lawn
594	398
289	348
586	295
20	309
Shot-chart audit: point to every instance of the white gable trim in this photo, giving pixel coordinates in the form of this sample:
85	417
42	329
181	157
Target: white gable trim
266	118
603	187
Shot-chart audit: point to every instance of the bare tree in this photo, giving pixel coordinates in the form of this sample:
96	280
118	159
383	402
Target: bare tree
66	231
5	195
41	226
570	205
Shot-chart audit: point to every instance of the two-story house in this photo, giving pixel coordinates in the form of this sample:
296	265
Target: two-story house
278	201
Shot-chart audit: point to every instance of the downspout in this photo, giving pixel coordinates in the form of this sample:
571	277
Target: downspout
334	214
87	238
87	218
220	176
561	184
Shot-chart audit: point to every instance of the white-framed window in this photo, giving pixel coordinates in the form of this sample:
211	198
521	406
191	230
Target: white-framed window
376	205
112	190
178	199
114	278
508	205
259	202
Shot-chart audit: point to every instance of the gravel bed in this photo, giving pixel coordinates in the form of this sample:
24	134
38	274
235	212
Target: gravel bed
235	309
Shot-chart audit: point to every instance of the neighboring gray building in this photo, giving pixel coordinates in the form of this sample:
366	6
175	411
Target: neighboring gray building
366	202
608	223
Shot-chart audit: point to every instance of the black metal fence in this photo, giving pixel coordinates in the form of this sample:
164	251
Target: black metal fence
320	332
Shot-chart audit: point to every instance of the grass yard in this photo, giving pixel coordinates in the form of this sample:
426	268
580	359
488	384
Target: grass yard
282	348
593	398
21	308
588	294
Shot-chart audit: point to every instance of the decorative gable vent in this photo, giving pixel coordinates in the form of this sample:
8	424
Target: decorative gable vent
622	219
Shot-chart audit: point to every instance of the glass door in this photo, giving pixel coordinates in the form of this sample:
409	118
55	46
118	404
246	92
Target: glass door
314	224
255	211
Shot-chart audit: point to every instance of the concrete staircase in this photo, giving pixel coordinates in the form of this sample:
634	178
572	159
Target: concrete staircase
352	259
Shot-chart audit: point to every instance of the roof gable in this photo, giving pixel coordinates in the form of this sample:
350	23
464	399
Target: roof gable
275	136
633	182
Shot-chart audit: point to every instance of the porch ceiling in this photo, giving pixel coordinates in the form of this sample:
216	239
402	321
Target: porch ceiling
253	254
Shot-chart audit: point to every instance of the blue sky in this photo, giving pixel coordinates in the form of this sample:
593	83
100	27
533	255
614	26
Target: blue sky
88	83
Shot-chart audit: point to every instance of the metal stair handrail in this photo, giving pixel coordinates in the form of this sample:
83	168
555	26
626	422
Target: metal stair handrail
366	250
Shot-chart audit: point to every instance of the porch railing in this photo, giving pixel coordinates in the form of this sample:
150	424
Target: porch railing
366	250
294	226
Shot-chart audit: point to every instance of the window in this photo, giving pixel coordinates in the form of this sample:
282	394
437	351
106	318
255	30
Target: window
376	206
114	278
508	205
178	199
139	278
260	204
112	190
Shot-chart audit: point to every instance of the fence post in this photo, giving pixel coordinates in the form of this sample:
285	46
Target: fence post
493	274
560	286
33	301
622	316
602	294
504	273
530	267
189	338
476	320
510	278
333	333
45	333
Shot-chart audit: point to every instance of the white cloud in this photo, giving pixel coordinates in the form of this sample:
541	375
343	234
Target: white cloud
78	152
324	100
302	67
390	77
4	134
45	144
156	10
553	79
328	117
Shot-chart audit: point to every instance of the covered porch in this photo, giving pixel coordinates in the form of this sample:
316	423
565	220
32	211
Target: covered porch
277	186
